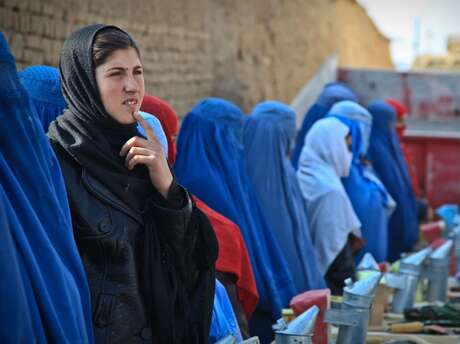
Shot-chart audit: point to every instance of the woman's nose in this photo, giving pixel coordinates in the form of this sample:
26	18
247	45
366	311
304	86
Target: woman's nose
131	84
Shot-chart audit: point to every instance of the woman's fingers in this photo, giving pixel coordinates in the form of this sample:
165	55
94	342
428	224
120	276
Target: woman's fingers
138	150
127	146
135	141
133	151
140	159
139	141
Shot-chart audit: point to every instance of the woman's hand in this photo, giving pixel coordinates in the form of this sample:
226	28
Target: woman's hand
149	153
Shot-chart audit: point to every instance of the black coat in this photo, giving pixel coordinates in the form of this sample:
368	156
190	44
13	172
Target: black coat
110	239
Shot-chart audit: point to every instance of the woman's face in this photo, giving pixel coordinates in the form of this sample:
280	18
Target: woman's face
120	81
349	142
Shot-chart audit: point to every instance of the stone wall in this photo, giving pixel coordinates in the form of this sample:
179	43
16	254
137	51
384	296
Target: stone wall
242	50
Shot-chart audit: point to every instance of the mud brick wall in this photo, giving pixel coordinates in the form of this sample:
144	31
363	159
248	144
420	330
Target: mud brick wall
272	47
242	50
360	44
172	35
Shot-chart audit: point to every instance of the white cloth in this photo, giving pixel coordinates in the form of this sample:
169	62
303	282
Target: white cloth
324	160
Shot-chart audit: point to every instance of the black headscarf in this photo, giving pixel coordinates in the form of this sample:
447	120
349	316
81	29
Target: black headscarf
87	132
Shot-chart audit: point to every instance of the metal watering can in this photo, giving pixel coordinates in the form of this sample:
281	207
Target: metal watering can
406	280
298	331
368	263
456	238
437	272
353	315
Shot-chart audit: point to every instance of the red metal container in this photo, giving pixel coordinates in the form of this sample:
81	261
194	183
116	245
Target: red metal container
321	298
432	231
437	164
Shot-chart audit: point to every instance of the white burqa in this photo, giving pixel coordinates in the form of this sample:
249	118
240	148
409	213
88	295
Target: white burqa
324	160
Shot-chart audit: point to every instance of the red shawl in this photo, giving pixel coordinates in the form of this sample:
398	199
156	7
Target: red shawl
233	257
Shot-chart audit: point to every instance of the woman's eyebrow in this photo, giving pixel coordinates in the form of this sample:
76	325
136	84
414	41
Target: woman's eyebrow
122	68
117	68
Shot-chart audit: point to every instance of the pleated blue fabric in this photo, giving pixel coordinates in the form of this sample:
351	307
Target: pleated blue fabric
45	295
211	164
388	161
267	137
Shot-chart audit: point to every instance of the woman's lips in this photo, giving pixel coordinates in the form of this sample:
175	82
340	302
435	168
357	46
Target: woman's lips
131	103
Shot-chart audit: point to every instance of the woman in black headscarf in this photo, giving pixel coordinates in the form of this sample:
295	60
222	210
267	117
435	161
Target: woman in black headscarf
148	251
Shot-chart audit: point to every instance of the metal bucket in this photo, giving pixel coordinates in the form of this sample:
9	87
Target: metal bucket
456	237
437	273
353	315
405	282
300	330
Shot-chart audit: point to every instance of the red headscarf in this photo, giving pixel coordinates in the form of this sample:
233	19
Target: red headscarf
233	255
401	113
168	118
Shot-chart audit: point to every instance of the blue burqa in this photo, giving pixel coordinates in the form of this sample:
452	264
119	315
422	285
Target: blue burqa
267	137
369	197
331	94
388	161
224	322
211	164
43	83
44	291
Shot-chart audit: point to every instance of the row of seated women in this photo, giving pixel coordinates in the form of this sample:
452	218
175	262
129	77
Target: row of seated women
138	239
